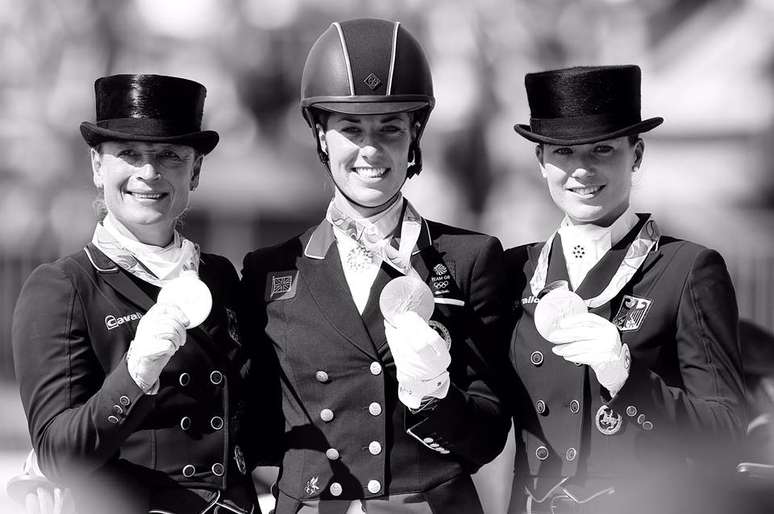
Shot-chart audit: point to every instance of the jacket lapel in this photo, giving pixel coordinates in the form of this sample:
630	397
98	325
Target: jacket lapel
118	278
322	273
372	314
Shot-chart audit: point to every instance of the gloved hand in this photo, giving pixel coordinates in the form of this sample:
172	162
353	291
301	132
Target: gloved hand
421	359
592	340
160	333
37	493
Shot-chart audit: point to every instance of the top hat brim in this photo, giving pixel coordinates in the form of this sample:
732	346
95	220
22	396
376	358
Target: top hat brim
637	128
203	141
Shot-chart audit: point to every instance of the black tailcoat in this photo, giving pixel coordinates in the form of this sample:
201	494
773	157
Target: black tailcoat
338	417
93	429
683	400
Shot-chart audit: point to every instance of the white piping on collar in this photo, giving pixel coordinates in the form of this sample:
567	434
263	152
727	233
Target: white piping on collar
346	58
102	270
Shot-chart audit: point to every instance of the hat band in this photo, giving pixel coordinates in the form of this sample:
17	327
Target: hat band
150	126
583	126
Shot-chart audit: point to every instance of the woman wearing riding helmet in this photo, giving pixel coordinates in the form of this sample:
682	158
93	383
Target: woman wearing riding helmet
371	415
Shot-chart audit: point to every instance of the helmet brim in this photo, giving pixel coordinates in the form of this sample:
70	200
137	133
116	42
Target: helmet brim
368	105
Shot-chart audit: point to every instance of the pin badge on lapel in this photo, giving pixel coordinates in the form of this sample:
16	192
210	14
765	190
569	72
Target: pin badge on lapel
281	285
631	313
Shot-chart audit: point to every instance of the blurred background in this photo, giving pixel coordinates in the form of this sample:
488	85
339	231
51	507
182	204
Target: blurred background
708	69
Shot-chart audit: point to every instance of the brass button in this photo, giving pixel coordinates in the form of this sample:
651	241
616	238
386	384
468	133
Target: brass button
336	489
124	400
185	423
117	409
374	486
536	358
216	422
574	406
113	419
376	368
188	470
216	377
326	415
184	379
321	376
427	440
541	452
332	454
540	406
375	409
647	425
640	419
443	451
631	411
375	448
571	454
218	469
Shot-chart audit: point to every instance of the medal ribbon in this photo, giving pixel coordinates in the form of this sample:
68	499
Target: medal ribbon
646	239
398	258
110	246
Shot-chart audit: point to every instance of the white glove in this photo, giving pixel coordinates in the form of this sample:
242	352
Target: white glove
160	333
37	493
592	340
421	359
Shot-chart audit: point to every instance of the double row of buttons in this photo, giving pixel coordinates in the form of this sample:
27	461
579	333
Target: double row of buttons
217	469
216	422
542	408
216	377
541	452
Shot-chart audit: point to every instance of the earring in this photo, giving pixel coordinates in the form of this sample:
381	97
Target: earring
635	169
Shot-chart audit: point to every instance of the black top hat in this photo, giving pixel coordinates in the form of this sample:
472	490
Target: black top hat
576	106
152	108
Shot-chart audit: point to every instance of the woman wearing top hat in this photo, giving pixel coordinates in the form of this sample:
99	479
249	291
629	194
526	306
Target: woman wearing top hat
369	414
616	401
128	403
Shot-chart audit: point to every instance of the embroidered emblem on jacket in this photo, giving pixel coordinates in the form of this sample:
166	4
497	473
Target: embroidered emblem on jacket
440	269
608	421
631	313
311	485
281	285
112	322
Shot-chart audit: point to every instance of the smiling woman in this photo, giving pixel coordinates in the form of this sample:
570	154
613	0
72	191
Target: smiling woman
104	360
619	405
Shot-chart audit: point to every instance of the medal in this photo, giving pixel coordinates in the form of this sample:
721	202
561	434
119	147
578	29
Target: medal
555	306
190	295
403	294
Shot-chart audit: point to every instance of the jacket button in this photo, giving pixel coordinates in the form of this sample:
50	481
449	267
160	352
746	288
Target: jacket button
536	358
117	409
541	453
375	448
443	451
427	440
217	469
376	368
336	489
434	445
375	409
113	419
332	454
184	379
374	486
321	376
640	419
124	400
631	411
185	423
647	425
574	406
188	470
216	422
571	454
216	377
540	406
326	415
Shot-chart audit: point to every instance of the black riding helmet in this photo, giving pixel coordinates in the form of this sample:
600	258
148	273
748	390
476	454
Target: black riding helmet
368	66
